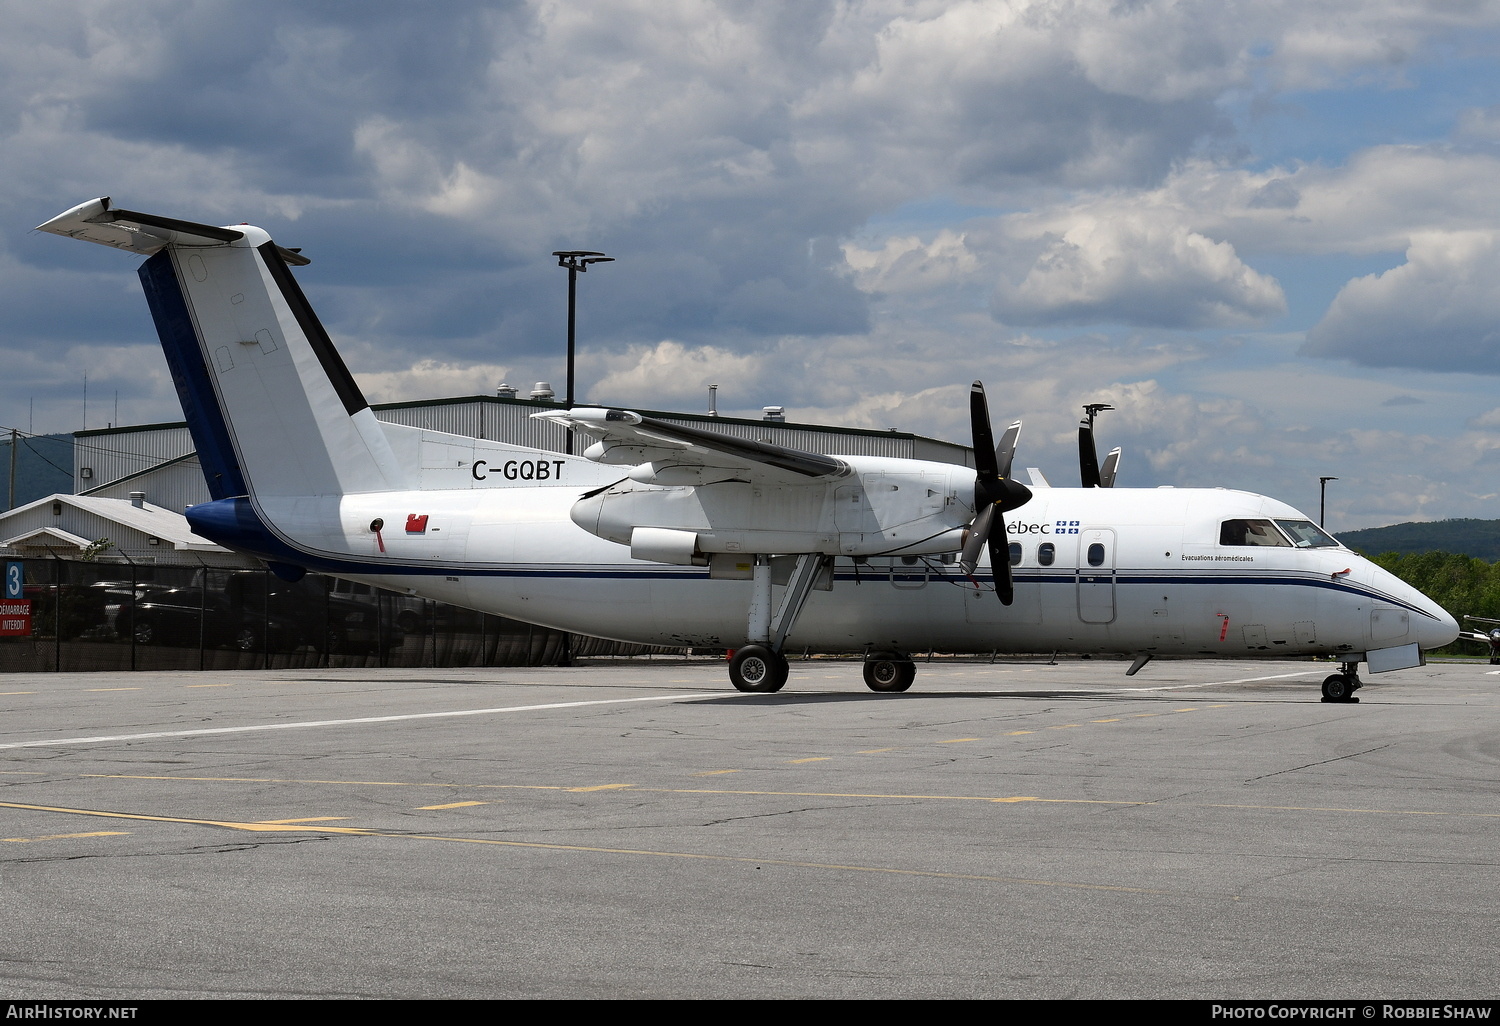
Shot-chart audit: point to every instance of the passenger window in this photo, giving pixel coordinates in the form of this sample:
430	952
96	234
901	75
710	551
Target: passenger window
1251	532
1015	553
1096	554
1046	553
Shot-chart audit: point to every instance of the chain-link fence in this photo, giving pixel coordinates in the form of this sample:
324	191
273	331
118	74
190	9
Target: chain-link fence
120	616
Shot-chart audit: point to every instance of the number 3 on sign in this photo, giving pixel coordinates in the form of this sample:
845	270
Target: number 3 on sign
13	579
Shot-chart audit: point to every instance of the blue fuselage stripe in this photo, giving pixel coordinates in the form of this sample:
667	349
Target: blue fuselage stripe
235	524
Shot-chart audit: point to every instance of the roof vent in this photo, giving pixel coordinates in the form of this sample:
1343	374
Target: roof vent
542	391
505	391
774	413
138	500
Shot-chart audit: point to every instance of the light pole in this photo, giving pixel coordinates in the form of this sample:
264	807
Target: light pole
576	261
1323	497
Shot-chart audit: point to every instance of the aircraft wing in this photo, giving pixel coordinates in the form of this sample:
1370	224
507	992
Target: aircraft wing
669	453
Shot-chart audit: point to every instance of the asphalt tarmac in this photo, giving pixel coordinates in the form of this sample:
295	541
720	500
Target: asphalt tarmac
1202	830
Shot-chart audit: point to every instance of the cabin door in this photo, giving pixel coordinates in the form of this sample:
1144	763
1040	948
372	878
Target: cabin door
1096	575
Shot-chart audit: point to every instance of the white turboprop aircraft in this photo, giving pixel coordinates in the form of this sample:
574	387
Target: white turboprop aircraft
663	534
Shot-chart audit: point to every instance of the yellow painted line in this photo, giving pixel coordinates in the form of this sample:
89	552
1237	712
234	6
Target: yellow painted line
1063	726
1145	714
1018	798
535	845
741	793
714	773
599	787
116	689
253	827
813	758
958	740
1013	733
63	837
308	819
1188	709
1115	720
874	751
17	692
450	805
209	685
22	773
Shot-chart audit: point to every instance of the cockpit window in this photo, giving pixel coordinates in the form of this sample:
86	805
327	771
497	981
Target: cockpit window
1251	532
1307	535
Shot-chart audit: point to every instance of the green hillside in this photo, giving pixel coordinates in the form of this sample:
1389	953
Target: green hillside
1478	538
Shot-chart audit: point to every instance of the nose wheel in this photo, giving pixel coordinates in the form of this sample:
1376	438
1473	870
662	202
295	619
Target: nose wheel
1341	687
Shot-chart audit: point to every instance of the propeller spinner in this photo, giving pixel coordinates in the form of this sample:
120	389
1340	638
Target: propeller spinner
995	494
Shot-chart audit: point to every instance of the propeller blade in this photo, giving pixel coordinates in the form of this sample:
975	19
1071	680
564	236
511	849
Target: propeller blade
985	461
1005	452
1088	456
1110	469
974	541
1005	586
994	495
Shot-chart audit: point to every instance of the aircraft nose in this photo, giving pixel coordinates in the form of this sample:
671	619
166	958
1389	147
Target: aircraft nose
1437	633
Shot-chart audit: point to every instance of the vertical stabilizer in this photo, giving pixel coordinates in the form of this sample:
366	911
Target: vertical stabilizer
271	406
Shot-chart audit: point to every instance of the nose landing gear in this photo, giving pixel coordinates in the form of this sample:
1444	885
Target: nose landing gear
1341	686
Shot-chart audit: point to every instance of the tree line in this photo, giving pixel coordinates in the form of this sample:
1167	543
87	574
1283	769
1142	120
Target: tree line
1460	584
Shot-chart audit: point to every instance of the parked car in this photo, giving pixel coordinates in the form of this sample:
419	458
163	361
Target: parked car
183	616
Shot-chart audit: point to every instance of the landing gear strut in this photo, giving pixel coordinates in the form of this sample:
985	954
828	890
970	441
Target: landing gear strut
760	666
1341	686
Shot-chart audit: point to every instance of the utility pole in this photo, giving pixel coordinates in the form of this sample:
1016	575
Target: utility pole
576	261
1323	497
10	499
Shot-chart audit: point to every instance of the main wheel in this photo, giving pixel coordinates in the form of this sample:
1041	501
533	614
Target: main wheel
1336	688
757	668
887	671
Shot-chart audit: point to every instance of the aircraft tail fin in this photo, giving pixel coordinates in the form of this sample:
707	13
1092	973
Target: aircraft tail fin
271	406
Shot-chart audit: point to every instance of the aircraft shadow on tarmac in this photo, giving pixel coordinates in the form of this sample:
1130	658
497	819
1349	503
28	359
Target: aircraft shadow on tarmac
822	698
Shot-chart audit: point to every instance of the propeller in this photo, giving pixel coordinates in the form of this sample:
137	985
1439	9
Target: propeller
1088	456
995	494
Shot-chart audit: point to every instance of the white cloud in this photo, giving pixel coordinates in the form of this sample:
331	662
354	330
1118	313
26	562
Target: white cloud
1119	266
431	379
1440	309
904	264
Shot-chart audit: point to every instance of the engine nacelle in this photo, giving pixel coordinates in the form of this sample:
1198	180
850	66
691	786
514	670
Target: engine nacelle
886	507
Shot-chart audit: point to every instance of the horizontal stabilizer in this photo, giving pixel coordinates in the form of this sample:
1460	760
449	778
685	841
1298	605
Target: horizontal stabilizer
146	234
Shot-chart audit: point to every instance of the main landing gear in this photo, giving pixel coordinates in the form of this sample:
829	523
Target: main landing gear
1341	686
757	668
760	666
889	671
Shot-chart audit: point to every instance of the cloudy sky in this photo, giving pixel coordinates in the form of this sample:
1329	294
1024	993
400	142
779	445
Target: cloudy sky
1269	233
